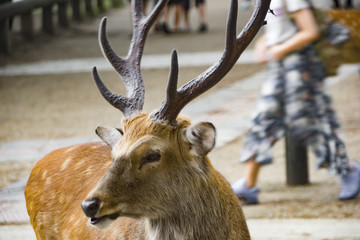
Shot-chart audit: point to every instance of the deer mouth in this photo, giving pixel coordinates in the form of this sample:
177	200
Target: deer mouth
97	220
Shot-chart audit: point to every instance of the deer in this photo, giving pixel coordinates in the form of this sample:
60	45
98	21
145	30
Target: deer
152	177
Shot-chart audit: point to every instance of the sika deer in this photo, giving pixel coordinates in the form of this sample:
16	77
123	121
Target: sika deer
152	179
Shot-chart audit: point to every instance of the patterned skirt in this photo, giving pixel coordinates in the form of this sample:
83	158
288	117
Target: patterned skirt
293	99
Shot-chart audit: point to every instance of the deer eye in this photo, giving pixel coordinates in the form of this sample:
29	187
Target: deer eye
151	157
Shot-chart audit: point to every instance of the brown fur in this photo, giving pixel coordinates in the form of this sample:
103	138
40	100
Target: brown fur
180	197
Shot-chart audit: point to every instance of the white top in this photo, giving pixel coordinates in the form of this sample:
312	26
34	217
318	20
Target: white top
280	27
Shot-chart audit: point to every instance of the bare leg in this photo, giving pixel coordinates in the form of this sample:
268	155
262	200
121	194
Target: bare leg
203	21
186	20
165	27
178	14
252	170
202	13
166	13
245	188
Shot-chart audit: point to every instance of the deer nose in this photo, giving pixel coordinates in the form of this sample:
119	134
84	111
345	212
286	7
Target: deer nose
91	207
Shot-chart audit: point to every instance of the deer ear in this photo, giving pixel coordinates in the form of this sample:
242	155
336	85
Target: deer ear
109	135
202	138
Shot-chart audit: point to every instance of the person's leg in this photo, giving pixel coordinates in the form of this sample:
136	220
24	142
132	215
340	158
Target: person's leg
324	133
245	188
166	13
186	10
165	20
336	4
202	12
251	174
350	183
331	150
178	14
201	6
267	127
186	21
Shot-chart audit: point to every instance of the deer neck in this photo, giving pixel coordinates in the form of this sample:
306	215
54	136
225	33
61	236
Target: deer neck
203	213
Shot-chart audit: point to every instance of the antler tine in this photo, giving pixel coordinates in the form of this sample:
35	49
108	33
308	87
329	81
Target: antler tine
174	73
129	67
235	45
171	91
127	105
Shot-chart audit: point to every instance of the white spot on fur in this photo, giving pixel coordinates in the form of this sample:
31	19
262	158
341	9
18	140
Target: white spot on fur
88	171
65	163
52	195
72	218
31	206
107	165
71	149
77	223
79	164
43	176
48	181
61	198
66	234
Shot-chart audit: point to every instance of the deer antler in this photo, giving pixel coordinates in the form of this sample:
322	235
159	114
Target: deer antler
129	67
175	99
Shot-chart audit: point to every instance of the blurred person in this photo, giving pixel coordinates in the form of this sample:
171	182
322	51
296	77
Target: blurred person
178	13
186	6
201	7
338	5
293	98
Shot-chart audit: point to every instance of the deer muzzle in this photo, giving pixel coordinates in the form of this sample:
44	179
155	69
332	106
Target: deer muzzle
91	209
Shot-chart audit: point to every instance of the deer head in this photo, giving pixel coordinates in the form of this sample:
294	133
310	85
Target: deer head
155	155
